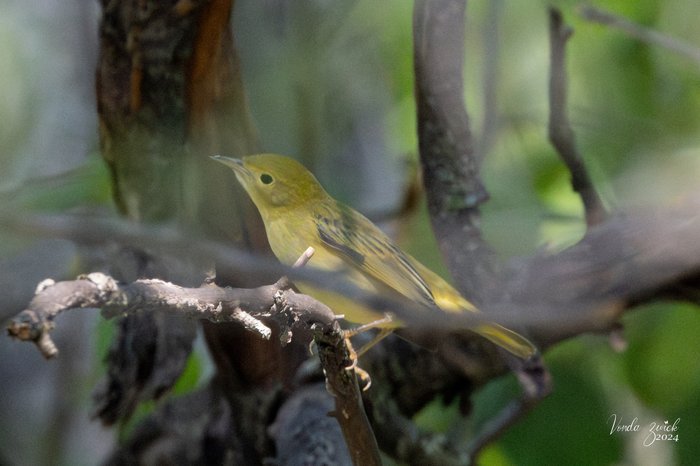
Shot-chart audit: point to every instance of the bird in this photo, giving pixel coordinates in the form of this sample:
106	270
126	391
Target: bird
298	213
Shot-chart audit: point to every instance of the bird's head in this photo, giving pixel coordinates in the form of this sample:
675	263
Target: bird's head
274	180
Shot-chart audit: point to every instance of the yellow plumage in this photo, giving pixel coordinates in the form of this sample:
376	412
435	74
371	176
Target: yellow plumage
299	213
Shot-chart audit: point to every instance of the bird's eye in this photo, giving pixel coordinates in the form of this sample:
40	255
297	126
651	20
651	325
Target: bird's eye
265	178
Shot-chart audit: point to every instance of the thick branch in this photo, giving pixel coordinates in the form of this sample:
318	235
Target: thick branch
636	257
303	431
631	258
560	133
450	167
627	260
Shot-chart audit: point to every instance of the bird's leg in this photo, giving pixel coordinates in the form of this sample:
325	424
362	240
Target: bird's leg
362	374
387	319
383	333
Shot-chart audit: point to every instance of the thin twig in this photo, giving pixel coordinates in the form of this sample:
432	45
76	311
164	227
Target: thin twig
560	132
642	33
304	258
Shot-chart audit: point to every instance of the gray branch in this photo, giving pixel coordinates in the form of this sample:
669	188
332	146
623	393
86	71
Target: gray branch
97	290
650	36
450	165
560	132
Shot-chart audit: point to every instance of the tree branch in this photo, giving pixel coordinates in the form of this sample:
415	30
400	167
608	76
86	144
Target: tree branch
560	133
97	290
491	39
174	243
341	382
632	258
450	167
244	306
641	33
303	431
629	259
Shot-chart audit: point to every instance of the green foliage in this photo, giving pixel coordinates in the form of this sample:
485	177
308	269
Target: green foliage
570	426
661	368
87	185
191	376
661	365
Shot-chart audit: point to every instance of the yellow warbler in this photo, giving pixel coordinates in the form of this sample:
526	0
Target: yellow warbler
299	213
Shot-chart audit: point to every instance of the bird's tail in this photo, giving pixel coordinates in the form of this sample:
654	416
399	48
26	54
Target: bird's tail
448	299
509	340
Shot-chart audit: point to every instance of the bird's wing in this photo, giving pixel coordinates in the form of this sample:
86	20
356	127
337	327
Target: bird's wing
361	244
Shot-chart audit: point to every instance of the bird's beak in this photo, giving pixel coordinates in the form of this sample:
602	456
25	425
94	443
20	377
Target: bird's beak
236	164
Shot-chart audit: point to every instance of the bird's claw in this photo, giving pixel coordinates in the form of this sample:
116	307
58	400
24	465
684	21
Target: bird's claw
363	376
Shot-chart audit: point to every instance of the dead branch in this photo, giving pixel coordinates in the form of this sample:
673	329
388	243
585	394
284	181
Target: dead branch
97	290
537	383
634	257
210	302
341	381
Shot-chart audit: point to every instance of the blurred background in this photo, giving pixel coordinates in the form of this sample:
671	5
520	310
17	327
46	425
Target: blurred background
330	82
